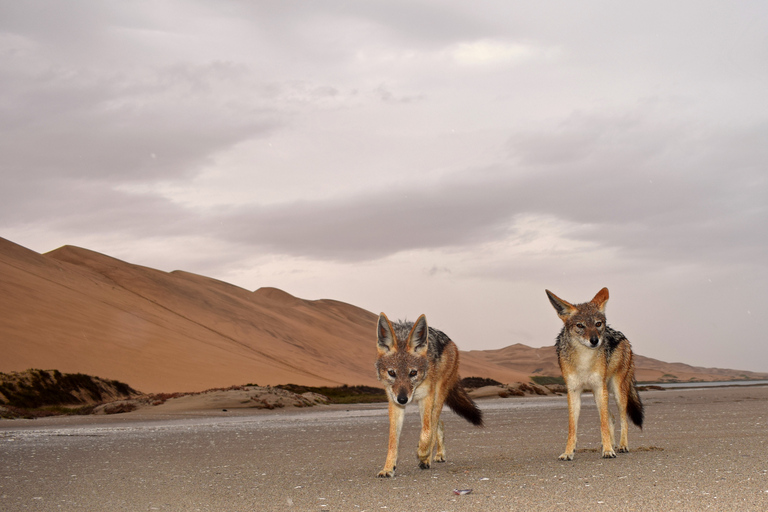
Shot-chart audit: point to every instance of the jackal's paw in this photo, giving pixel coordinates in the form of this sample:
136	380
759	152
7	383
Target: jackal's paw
622	449
566	456
384	473
439	458
609	454
423	465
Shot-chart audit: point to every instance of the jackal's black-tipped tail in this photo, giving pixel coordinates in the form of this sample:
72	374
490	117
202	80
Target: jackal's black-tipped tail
635	409
460	403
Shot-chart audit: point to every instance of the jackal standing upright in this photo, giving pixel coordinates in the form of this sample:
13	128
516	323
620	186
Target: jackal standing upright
417	362
594	356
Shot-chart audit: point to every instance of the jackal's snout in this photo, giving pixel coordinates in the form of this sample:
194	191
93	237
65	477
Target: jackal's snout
402	398
594	340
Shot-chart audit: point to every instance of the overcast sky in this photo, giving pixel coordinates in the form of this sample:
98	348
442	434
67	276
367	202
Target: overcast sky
451	158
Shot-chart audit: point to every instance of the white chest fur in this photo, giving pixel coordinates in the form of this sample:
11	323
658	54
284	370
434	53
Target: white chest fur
586	372
420	392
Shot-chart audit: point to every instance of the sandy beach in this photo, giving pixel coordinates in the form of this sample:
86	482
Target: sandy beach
701	449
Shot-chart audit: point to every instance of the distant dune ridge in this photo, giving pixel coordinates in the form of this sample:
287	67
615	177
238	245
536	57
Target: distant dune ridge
79	311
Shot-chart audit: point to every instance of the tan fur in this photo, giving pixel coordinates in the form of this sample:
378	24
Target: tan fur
415	369
594	356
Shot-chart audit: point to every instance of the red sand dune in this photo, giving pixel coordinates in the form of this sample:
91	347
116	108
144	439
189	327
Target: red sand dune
76	310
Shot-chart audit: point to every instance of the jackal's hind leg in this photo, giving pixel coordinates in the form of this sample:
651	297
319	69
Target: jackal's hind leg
611	426
440	454
621	402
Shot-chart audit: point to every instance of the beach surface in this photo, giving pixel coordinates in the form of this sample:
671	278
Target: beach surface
700	449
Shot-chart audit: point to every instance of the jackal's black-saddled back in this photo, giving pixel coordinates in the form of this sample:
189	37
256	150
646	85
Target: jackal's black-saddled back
438	340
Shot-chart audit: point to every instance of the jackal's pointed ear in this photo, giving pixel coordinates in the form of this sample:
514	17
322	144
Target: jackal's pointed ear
418	339
600	299
386	335
564	309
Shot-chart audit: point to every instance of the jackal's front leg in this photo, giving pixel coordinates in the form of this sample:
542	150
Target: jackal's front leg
428	431
574	408
606	421
396	415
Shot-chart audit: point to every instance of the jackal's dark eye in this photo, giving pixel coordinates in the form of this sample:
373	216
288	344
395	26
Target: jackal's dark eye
580	326
391	373
413	373
598	324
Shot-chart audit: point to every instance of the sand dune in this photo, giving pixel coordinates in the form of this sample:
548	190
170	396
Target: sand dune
76	310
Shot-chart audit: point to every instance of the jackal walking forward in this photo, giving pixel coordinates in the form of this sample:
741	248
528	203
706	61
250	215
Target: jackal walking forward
417	362
594	356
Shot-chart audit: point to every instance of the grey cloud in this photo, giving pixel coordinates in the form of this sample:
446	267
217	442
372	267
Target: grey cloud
387	96
93	125
54	21
658	207
593	139
435	270
409	20
652	207
77	207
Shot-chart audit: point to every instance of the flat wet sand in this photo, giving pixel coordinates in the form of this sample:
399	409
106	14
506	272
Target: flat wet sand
700	449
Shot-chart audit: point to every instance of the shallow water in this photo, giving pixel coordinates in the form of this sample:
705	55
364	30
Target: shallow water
712	384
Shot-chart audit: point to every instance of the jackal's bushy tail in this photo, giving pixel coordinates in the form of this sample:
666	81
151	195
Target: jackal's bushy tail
635	407
460	403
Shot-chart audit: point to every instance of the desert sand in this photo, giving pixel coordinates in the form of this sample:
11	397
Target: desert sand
700	449
78	311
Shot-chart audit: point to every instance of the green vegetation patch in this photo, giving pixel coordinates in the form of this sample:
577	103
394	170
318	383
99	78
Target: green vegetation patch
478	382
342	394
544	380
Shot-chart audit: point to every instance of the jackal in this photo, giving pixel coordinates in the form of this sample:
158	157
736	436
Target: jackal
417	362
594	356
